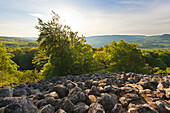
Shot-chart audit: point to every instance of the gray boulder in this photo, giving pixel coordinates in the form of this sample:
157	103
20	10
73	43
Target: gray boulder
6	92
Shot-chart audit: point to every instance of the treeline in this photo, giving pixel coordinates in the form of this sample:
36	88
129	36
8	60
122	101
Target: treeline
61	52
17	42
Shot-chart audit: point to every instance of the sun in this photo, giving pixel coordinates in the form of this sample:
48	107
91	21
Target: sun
72	19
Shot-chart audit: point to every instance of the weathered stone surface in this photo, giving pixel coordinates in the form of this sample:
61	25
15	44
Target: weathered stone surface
61	90
60	111
117	108
22	106
141	109
66	105
94	91
108	102
81	108
93	98
6	92
96	108
90	93
47	109
76	95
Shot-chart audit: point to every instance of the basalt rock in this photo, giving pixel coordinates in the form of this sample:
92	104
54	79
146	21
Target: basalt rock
90	93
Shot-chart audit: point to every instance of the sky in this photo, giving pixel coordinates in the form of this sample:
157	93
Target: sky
88	17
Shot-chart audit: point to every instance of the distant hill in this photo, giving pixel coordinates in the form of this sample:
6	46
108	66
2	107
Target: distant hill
145	42
18	42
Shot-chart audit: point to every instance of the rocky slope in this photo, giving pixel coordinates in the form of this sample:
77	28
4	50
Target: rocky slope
90	93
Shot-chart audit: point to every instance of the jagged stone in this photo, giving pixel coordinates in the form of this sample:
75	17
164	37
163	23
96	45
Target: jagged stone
61	90
47	109
96	108
6	92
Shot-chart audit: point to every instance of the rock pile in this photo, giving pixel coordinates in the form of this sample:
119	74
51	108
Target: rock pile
90	93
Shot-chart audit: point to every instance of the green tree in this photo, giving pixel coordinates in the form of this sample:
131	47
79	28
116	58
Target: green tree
59	44
122	56
6	64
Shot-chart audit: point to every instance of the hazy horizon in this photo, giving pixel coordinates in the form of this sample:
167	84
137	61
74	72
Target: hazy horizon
90	18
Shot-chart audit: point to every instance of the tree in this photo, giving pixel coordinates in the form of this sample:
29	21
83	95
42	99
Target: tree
59	44
122	56
6	64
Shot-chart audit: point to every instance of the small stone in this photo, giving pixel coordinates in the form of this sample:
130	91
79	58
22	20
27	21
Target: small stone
96	108
47	109
60	111
93	98
117	109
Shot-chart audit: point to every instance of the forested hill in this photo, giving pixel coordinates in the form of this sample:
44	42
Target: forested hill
146	42
18	42
161	42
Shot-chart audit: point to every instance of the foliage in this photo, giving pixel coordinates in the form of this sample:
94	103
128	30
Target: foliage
122	56
17	42
24	56
6	64
59	44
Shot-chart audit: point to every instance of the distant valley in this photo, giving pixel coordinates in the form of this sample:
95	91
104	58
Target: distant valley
145	42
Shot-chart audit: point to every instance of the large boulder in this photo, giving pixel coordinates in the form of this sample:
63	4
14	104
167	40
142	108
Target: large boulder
81	108
6	92
108	102
61	90
66	105
24	105
76	95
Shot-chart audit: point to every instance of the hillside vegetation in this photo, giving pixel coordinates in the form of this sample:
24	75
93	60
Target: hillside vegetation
62	52
161	42
17	42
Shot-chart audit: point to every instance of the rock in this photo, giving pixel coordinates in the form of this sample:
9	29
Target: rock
38	96
141	109
34	85
167	93
2	109
110	88
81	85
7	100
163	85
94	91
61	90
124	101
117	108
88	84
147	95
13	108
6	92
52	94
47	109
159	106
66	105
76	95
60	111
22	91
93	98
23	106
123	90
96	108
41	103
108	102
81	108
